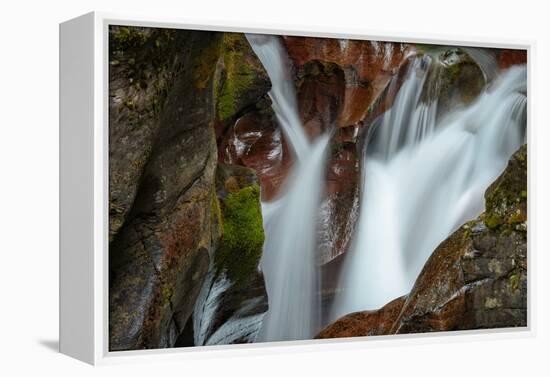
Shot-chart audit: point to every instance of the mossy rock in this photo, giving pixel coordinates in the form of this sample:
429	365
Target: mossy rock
455	79
243	81
506	198
242	233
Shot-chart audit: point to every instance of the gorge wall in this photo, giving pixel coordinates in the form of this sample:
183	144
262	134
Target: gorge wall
170	216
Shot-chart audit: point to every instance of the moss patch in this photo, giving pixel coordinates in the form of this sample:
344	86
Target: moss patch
204	65
506	198
243	234
238	74
127	37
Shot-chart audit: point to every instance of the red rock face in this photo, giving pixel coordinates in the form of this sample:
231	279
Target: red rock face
367	67
256	142
320	91
367	323
508	58
340	207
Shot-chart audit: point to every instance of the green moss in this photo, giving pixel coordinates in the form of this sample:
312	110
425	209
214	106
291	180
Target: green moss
215	215
126	37
242	233
523	194
516	217
204	65
505	198
167	292
514	282
238	74
492	221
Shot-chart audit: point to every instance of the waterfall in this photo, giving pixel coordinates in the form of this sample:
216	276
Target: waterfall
485	60
289	260
422	180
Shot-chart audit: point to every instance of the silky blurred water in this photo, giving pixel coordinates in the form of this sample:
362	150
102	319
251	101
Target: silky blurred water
289	260
422	179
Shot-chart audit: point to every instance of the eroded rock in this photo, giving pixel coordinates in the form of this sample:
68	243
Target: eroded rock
233	299
365	67
159	255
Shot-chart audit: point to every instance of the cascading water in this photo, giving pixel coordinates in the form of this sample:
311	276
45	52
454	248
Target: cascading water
289	260
485	60
421	180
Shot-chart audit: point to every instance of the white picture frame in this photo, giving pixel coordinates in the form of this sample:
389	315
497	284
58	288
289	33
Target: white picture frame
84	191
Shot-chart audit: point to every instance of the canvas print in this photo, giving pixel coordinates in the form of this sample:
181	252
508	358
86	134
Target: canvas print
273	188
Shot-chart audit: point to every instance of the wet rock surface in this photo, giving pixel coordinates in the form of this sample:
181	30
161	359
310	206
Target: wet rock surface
165	217
158	258
143	63
508	58
339	209
475	279
233	300
337	83
367	323
362	68
256	141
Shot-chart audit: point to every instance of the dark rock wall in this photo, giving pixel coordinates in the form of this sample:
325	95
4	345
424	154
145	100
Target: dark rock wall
162	165
169	92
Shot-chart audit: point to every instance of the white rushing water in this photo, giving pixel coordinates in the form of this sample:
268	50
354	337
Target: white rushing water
422	179
289	260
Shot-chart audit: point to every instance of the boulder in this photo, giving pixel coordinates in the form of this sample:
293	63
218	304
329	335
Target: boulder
458	81
256	141
367	323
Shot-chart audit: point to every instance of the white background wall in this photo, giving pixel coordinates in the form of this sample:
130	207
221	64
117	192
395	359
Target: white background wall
29	185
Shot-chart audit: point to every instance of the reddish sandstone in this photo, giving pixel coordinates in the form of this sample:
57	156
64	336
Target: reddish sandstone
256	142
508	58
367	68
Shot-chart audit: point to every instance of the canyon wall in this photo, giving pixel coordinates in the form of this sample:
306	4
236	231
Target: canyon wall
169	90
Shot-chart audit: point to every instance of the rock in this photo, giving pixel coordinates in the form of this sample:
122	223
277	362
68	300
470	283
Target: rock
475	279
337	83
453	80
367	323
136	92
255	141
159	252
320	93
364	66
247	133
243	80
233	299
459	80
339	209
508	58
